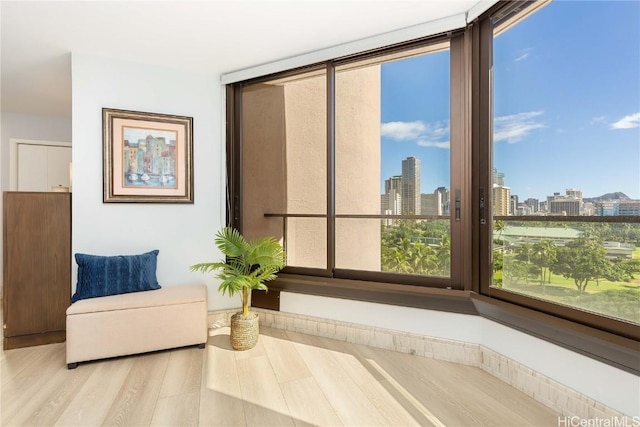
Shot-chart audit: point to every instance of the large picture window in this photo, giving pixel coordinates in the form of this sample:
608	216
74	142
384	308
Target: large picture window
565	176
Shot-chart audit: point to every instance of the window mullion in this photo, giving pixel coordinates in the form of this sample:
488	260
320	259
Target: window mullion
331	166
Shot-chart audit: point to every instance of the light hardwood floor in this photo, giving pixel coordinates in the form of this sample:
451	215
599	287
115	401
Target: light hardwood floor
287	379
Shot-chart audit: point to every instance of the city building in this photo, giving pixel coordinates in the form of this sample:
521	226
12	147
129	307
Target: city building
524	209
501	200
513	204
629	208
431	204
411	186
534	204
607	208
617	208
445	199
566	206
543	206
572	192
391	200
498	177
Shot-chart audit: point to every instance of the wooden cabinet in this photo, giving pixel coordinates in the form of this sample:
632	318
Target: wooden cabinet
37	267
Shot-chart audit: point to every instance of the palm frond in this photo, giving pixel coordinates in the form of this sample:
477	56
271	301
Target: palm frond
266	252
247	265
206	267
230	242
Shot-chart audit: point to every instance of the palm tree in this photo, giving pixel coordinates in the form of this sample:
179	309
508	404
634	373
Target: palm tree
443	255
423	258
398	262
546	255
248	263
525	252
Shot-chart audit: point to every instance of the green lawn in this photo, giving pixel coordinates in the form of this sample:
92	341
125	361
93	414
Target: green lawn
615	299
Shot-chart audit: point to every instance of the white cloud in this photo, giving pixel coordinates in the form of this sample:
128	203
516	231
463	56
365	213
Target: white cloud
423	134
627	122
437	144
514	127
402	131
597	120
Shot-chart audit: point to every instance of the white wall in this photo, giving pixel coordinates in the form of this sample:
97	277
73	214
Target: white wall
26	126
183	233
613	387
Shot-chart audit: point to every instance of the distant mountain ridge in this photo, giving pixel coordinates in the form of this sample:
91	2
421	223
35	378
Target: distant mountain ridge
618	195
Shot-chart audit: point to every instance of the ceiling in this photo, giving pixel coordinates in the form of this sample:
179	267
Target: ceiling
213	36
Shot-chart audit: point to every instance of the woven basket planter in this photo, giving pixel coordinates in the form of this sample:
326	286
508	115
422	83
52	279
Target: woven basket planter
244	331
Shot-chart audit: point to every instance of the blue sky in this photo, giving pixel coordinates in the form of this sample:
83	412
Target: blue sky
566	104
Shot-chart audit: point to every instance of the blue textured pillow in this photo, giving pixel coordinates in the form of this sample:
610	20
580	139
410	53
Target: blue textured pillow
99	276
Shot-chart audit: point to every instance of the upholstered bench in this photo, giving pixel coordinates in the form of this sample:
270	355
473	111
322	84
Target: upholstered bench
136	322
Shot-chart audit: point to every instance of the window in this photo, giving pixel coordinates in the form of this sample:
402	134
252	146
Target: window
565	176
284	168
392	162
349	164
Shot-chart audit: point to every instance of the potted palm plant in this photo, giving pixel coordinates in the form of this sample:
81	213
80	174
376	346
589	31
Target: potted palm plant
248	265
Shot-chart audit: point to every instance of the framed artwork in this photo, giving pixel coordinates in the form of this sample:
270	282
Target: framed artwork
147	157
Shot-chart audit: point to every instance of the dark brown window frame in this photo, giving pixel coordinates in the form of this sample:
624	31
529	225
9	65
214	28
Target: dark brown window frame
598	337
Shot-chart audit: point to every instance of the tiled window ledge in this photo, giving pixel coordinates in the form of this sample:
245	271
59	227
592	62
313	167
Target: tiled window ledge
545	390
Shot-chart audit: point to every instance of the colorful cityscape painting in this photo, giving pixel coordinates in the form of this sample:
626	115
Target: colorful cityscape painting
149	158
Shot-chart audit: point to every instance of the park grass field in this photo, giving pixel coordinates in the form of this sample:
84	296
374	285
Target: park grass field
620	300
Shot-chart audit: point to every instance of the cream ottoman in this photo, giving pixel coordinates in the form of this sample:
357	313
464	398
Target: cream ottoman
136	322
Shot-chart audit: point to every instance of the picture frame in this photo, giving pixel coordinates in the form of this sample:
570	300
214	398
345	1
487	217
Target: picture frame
147	157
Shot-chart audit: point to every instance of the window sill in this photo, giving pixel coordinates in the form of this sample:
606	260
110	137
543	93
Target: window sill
614	350
455	301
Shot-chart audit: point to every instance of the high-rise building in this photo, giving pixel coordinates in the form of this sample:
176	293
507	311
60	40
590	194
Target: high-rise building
577	195
391	200
501	200
411	186
393	184
431	204
444	200
498	177
513	204
393	191
572	192
534	204
567	206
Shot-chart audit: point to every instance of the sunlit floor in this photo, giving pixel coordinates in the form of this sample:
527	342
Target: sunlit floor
287	379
